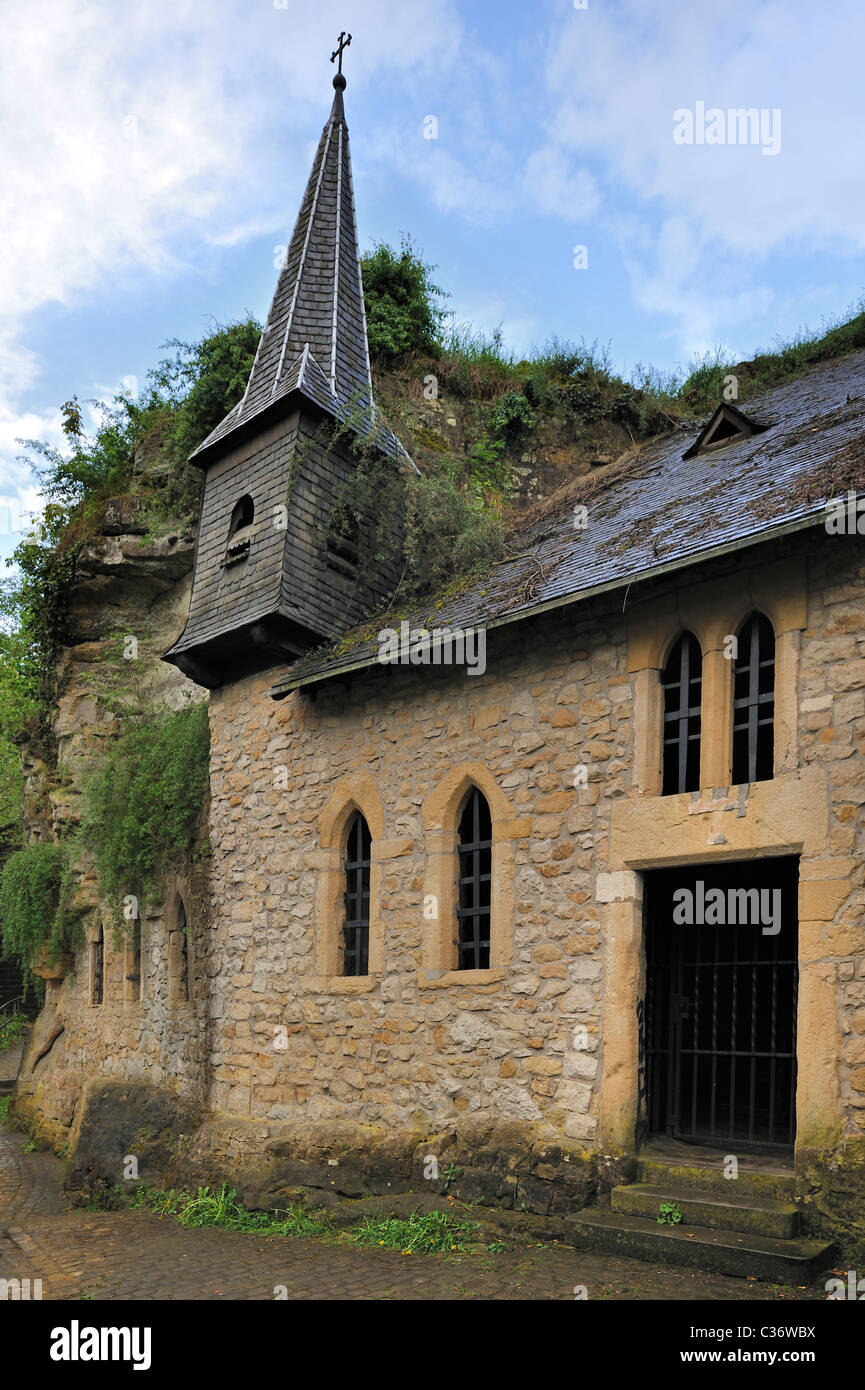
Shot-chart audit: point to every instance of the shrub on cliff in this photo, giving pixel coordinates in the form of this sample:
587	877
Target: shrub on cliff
203	381
403	313
186	396
143	802
35	902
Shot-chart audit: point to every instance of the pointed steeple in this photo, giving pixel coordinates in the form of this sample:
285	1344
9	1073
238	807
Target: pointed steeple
274	573
314	341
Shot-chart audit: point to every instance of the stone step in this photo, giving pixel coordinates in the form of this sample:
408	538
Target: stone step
761	1216
762	1181
721	1252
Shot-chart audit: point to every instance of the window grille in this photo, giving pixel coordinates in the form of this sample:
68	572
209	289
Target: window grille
475	880
682	682
754	702
97	955
355	930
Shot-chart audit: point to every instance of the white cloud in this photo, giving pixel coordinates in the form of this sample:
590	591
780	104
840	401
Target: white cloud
136	134
711	216
554	187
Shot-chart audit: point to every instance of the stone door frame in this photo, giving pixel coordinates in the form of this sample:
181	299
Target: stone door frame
789	815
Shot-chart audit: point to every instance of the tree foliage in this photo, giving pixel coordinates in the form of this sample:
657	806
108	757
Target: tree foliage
35	901
185	397
403	310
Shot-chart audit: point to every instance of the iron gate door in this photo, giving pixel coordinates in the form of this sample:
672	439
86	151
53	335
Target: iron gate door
720	1016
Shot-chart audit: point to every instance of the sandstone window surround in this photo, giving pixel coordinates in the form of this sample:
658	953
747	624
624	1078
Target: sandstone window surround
178	952
441	814
353	794
714	611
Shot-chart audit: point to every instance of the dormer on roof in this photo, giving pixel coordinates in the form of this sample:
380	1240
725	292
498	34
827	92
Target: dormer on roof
727	426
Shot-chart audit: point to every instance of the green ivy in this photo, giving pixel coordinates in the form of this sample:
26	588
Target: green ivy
35	902
143	803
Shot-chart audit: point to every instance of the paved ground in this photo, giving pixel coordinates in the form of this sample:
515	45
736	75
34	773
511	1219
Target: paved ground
137	1255
9	1060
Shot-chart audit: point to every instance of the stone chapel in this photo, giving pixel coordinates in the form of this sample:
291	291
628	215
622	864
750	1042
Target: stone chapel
578	923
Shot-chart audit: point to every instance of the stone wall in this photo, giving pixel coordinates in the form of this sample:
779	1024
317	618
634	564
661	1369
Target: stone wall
416	1045
832	735
410	1049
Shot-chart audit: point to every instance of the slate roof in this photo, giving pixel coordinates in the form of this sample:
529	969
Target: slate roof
314	341
654	511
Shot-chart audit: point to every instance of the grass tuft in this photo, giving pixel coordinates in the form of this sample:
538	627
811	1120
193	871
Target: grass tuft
422	1234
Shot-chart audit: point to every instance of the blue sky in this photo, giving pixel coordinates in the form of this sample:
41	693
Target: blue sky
155	151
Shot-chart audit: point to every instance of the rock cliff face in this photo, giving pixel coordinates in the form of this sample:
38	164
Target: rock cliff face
126	603
559	447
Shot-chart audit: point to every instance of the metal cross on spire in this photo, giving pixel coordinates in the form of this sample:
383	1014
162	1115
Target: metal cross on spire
340	47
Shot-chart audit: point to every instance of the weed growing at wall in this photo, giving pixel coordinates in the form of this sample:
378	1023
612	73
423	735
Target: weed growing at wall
36	886
35	604
509	421
142	804
220	1207
422	1234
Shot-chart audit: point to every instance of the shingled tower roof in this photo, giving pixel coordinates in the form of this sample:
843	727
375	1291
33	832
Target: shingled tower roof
314	341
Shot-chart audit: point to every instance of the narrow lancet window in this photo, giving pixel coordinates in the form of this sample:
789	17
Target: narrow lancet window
475	880
682	682
178	957
97	966
355	930
754	702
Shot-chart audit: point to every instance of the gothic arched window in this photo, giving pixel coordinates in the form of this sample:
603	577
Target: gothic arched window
97	967
475	880
132	992
682	681
355	928
178	956
754	702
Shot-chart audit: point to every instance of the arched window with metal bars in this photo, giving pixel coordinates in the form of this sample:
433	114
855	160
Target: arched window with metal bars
178	955
754	701
682	683
355	929
132	980
475	883
97	967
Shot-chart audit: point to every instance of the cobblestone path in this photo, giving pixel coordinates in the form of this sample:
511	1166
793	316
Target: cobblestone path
137	1255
